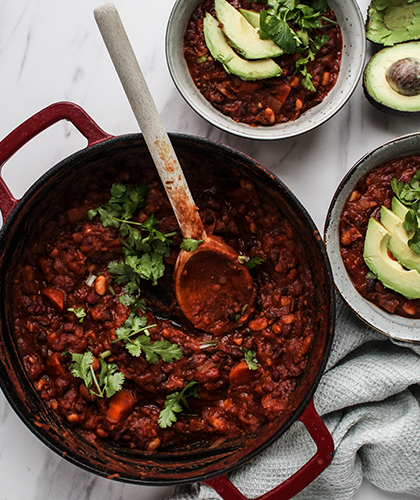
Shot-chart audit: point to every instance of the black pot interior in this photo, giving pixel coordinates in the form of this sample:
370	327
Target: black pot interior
52	192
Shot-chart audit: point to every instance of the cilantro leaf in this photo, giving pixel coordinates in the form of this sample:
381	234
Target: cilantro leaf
134	325
414	242
107	383
289	24
175	403
250	262
253	262
190	245
152	350
409	194
79	312
250	358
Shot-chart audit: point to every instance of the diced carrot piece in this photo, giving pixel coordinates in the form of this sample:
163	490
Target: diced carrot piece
55	296
241	374
120	405
55	365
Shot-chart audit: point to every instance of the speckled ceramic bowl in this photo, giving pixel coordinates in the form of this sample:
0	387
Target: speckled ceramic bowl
396	327
354	43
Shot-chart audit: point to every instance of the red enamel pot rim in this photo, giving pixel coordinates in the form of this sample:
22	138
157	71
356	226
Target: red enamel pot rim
103	153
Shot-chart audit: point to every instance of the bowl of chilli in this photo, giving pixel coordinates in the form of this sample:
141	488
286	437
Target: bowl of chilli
369	197
295	101
103	367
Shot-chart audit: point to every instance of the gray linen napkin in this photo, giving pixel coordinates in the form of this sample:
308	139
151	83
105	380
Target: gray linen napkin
369	398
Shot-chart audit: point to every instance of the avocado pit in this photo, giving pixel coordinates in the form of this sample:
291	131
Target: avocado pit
404	76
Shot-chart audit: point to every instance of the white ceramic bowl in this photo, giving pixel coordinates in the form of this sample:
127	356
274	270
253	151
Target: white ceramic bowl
354	46
396	327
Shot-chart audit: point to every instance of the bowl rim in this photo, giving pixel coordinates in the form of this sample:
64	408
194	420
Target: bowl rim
354	40
398	328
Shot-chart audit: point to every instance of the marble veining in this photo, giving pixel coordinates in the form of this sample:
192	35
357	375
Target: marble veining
52	51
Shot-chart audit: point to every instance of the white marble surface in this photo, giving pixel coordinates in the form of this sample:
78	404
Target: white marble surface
52	51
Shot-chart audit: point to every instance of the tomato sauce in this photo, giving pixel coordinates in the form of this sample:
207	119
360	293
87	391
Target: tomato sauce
371	192
262	102
52	280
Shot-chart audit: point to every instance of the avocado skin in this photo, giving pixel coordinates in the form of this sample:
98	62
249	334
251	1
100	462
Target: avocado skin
376	87
388	23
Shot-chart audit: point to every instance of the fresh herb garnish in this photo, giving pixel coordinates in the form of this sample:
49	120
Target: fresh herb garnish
190	245
250	358
289	23
175	403
106	383
134	325
409	194
250	262
144	246
79	312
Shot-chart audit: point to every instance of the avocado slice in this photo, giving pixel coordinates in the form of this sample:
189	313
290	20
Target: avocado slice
223	52
241	35
393	21
389	271
252	17
398	241
392	73
399	208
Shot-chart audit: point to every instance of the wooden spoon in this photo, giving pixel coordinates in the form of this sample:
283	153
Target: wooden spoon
214	290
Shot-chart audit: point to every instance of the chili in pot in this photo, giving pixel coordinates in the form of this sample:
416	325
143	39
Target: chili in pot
68	296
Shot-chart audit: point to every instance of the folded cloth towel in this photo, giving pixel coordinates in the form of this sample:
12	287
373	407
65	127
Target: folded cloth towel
369	398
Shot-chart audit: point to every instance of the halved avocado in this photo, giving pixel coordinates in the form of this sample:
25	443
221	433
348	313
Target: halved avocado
390	75
241	35
223	52
393	21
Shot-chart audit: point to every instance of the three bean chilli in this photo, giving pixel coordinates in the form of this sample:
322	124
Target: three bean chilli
309	69
373	191
105	343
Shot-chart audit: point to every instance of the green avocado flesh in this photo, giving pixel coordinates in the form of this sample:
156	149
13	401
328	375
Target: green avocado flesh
393	21
221	51
403	274
242	35
381	91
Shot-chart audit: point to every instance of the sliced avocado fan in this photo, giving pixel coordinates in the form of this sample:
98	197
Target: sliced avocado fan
389	271
402	272
221	51
242	35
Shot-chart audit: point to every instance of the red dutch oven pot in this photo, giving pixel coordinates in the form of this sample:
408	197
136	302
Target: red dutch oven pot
103	154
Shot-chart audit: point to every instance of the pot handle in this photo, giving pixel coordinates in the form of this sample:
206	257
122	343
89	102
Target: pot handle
300	479
35	125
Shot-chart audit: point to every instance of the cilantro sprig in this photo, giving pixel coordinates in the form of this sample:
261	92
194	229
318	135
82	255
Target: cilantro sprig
250	358
144	246
290	23
250	262
105	383
409	194
190	245
134	325
175	403
79	313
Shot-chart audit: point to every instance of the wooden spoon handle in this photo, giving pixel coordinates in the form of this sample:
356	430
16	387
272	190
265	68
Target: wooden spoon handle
145	111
